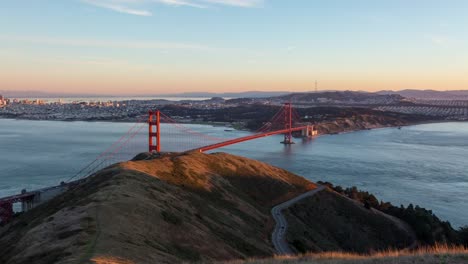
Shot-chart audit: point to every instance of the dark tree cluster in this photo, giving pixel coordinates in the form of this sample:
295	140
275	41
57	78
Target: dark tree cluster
428	227
464	235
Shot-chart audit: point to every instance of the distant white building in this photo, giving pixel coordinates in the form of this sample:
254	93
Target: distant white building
3	100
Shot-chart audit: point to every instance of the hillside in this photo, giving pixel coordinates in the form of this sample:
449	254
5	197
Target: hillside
327	222
356	123
331	119
164	209
429	94
342	97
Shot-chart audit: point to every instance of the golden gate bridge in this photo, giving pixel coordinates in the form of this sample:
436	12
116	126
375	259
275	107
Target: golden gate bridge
286	121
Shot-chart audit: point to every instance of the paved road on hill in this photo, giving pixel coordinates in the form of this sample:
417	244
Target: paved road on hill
278	236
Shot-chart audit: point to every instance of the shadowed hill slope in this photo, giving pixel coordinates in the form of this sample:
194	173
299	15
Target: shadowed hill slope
329	221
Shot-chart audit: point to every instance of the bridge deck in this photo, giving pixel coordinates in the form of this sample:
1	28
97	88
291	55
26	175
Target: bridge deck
242	139
18	197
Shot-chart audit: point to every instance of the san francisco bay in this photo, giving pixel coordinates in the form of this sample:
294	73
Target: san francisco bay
423	164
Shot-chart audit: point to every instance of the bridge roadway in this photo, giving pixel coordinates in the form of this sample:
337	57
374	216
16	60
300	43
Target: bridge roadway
45	193
242	139
32	199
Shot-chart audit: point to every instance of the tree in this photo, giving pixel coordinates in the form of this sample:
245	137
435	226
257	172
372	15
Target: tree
463	233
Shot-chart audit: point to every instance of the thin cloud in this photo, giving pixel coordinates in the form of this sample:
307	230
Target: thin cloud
115	6
440	40
181	3
240	3
140	7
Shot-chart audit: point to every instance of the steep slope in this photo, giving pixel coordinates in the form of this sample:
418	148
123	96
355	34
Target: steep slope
329	221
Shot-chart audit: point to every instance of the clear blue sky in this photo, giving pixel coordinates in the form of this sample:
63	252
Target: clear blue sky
157	46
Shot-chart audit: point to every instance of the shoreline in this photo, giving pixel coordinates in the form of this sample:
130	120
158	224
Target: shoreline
239	128
226	124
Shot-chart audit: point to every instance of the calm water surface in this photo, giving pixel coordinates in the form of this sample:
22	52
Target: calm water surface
425	164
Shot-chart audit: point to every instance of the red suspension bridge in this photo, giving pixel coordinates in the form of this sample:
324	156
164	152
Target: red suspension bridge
283	122
164	134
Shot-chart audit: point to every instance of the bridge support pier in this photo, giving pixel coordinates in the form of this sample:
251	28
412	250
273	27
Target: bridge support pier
287	139
154	131
26	205
6	212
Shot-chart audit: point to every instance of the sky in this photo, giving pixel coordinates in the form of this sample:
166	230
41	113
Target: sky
170	46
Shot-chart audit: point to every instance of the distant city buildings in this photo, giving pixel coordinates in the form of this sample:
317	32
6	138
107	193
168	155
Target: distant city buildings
130	110
3	101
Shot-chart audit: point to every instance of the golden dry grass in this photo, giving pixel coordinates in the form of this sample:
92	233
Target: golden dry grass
428	250
110	260
439	253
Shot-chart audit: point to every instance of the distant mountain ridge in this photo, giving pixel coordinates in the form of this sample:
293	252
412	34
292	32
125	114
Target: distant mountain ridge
248	94
430	94
297	96
40	94
341	97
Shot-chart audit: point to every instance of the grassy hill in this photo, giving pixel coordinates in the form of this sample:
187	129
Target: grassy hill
342	97
329	221
330	119
165	210
174	208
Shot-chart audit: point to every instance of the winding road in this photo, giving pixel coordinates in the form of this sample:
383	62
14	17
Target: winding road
278	236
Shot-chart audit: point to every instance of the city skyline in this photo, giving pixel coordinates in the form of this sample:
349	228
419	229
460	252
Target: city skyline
174	46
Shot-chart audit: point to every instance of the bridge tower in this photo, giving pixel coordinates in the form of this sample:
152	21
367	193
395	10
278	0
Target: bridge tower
288	124
6	212
154	131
